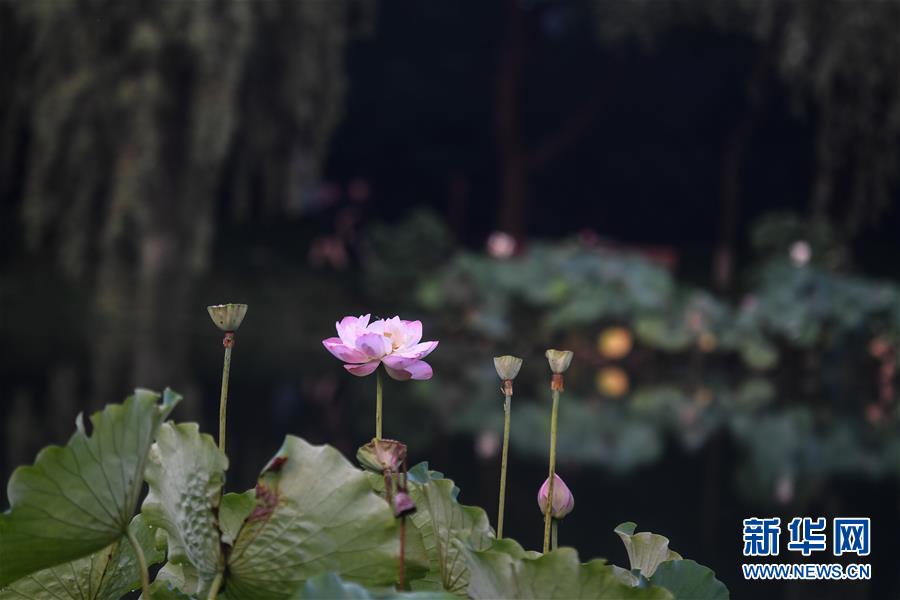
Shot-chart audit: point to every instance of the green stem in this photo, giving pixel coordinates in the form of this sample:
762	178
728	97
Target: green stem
223	399
506	407
547	515
378	394
214	588
554	534
142	563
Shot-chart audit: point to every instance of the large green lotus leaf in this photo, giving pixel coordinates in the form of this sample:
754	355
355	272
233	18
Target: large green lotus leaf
332	587
314	513
688	580
163	591
646	551
185	472
444	525
175	577
77	499
627	577
171	581
104	575
507	571
233	511
417	562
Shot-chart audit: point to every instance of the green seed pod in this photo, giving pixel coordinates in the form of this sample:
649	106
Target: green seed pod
507	366
559	360
227	317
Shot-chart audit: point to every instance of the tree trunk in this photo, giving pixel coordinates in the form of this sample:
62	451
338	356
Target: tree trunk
730	197
514	172
732	167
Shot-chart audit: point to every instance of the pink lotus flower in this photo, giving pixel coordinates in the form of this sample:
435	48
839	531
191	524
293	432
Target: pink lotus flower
394	342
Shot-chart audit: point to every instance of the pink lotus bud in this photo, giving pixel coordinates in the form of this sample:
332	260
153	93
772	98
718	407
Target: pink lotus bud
563	500
403	504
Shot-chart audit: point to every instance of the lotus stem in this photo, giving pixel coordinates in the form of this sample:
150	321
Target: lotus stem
378	395
554	534
506	409
388	485
400	569
401	510
227	317
228	342
142	563
548	518
216	584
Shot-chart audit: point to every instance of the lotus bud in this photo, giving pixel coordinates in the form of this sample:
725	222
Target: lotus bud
563	500
227	317
382	455
403	504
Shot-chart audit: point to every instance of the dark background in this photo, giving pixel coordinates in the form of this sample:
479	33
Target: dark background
159	157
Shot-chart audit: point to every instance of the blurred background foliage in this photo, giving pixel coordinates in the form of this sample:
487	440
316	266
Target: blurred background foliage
792	376
806	350
698	197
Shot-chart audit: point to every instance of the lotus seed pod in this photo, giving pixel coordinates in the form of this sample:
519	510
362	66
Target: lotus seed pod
227	317
563	499
507	366
559	360
403	504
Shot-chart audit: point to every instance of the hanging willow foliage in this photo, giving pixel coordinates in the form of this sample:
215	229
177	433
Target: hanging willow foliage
843	59
138	114
135	125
